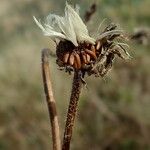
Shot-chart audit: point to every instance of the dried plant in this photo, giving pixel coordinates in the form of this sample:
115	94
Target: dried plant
81	54
50	100
95	58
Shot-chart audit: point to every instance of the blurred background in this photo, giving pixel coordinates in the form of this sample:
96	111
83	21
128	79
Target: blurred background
113	113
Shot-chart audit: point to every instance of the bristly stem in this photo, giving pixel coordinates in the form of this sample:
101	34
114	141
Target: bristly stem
76	89
50	100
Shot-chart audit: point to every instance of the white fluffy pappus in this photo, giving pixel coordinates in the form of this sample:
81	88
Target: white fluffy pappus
69	27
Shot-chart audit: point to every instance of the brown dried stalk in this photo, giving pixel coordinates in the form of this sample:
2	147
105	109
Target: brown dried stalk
50	100
72	109
89	13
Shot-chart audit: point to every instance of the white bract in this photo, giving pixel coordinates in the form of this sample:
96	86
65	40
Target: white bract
69	27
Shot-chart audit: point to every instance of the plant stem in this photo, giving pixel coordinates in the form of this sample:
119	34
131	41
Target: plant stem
50	100
76	89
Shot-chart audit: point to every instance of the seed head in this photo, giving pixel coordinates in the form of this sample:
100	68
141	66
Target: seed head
76	50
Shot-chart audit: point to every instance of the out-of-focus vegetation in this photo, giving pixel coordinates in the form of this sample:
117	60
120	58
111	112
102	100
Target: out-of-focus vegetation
114	112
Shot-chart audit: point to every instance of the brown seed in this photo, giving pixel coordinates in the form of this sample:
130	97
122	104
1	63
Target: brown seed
75	65
83	54
66	57
88	58
92	54
93	49
71	59
77	60
98	45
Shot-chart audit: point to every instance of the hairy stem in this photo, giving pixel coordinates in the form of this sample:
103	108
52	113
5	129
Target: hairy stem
50	100
76	89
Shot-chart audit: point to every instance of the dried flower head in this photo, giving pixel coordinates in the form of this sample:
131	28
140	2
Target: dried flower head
76	50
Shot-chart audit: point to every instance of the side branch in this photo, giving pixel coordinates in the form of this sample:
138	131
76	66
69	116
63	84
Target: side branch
50	100
89	13
76	89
